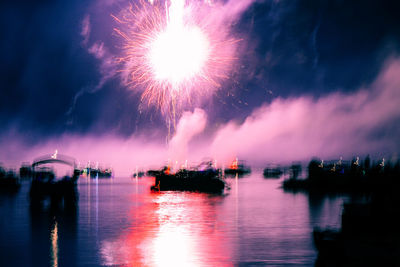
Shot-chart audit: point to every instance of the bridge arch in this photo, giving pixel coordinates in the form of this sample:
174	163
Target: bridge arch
54	158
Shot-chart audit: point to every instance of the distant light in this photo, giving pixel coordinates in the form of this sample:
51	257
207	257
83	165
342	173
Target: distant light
54	156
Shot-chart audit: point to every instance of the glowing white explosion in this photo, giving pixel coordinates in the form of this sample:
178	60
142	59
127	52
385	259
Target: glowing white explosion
180	51
178	54
174	51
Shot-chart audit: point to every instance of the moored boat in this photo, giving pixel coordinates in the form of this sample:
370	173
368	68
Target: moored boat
9	181
45	183
205	180
25	171
237	167
99	173
272	172
138	174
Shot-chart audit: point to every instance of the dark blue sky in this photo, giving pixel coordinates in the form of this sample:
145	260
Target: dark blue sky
289	48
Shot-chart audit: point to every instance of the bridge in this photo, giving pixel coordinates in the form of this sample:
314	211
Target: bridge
54	158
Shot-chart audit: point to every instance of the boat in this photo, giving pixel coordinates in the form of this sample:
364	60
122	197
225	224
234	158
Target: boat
46	184
9	181
198	179
25	171
99	173
154	173
138	174
237	167
272	172
295	170
96	171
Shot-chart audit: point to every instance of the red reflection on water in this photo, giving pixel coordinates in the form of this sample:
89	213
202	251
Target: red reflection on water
172	229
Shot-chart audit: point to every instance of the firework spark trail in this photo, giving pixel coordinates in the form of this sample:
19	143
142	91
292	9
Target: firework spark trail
173	52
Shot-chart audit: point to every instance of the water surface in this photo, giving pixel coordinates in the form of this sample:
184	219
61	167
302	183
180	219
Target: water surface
120	222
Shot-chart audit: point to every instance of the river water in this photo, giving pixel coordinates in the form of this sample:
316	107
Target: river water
120	222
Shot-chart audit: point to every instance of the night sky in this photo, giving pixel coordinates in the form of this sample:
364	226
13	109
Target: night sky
53	83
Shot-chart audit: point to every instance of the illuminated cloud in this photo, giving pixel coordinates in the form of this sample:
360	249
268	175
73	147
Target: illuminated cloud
286	130
189	125
330	126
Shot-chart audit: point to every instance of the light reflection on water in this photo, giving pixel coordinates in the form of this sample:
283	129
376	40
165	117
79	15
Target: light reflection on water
170	229
120	222
54	246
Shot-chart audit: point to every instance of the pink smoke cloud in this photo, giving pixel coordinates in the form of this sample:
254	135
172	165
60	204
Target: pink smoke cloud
330	126
98	50
338	124
85	31
190	124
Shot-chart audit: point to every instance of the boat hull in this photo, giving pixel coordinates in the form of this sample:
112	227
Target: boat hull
190	181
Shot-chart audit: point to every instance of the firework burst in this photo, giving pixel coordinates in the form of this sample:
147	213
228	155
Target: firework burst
174	52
